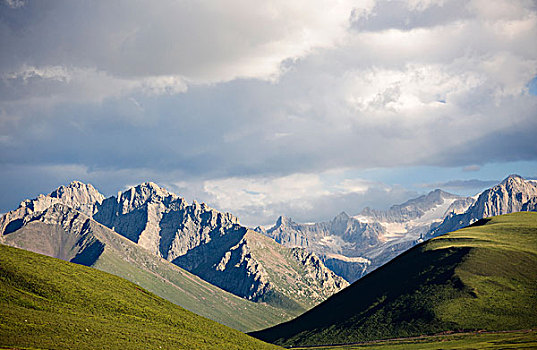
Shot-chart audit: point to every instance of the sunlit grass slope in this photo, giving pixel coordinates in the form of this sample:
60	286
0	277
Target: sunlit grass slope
48	303
481	277
126	259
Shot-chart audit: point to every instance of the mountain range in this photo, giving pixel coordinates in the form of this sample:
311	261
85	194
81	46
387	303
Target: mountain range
62	232
353	246
248	279
478	278
153	237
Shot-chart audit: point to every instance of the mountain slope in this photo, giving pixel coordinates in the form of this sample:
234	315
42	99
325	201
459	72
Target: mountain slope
512	195
49	303
481	277
62	232
160	224
214	246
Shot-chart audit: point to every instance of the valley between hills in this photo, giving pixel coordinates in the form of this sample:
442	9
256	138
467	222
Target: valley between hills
227	175
80	269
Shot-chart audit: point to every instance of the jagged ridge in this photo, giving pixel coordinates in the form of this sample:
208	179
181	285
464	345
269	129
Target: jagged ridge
62	232
355	246
512	195
195	237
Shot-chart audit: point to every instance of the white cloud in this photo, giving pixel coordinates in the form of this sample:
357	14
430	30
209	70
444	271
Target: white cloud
422	5
15	4
501	9
241	193
162	85
508	74
305	197
354	185
473	167
26	73
414	90
52	85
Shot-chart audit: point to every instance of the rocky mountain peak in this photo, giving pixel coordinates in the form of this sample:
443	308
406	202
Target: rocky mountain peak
509	196
440	194
412	209
260	229
283	221
161	221
147	192
515	183
77	193
513	179
148	189
341	217
429	200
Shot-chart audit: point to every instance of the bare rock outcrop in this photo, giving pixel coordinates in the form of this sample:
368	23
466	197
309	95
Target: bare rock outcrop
77	195
208	243
509	196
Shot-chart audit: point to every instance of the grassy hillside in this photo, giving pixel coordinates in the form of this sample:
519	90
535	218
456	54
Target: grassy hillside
121	257
52	304
482	277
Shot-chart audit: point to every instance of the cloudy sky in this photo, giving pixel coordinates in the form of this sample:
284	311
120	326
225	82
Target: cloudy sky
262	108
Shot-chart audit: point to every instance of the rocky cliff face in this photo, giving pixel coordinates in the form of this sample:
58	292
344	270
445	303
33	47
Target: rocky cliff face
81	197
208	243
511	195
257	268
342	235
204	241
530	205
351	268
162	222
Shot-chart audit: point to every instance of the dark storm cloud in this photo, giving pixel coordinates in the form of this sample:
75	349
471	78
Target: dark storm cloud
117	93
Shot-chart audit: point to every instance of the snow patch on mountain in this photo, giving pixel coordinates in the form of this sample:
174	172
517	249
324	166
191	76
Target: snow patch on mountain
348	259
353	246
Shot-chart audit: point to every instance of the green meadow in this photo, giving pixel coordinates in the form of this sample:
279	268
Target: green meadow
48	303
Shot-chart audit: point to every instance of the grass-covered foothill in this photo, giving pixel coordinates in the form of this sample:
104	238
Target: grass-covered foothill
48	303
478	278
121	257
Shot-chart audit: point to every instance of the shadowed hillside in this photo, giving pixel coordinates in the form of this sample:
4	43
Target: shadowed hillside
482	277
